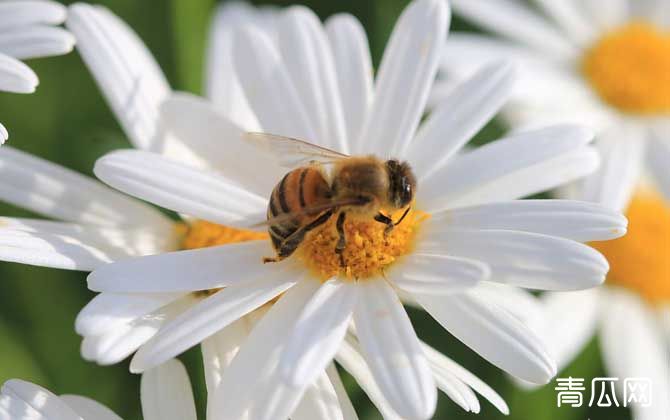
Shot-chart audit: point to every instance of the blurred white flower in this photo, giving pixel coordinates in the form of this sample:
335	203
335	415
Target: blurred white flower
307	80
604	67
28	30
165	393
631	314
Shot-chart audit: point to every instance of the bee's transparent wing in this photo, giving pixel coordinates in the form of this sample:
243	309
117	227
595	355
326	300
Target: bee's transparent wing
292	153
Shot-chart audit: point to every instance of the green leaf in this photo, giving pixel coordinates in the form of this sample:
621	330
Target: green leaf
18	360
191	23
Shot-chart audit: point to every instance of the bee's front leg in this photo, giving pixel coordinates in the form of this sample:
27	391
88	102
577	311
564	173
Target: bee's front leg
341	241
382	218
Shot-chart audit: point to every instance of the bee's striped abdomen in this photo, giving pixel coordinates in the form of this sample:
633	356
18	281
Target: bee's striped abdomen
298	189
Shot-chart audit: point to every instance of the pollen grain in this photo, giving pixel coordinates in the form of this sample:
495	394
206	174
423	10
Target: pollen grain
368	252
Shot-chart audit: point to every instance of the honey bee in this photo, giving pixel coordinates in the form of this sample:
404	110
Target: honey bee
308	196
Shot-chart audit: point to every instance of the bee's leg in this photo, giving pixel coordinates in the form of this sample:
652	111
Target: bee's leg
277	239
381	218
403	216
290	244
342	241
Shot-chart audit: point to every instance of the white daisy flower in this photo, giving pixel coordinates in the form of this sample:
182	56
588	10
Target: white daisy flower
165	393
95	225
28	30
293	79
606	68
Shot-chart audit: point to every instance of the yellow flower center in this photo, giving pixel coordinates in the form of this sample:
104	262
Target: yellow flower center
630	69
202	234
640	261
368	251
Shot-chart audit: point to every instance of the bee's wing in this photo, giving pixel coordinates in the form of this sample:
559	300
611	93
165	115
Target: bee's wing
315	210
292	153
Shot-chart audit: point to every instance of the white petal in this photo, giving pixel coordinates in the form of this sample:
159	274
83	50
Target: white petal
569	322
659	13
212	138
4	135
353	66
567	16
348	412
219	350
406	73
351	360
524	259
109	310
114	345
35	41
438	274
48	250
113	242
493	333
166	393
70	246
210	316
268	86
60	193
438	360
616	13
221	84
203	194
319	402
37	398
459	117
19	13
392	351
185	271
124	69
11	408
516	21
577	220
633	347
252	383
519	165
658	155
521	303
622	154
318	332
456	389
465	53
15	76
309	61
89	409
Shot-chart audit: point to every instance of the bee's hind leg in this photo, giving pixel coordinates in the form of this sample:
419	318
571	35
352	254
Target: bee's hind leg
288	246
341	241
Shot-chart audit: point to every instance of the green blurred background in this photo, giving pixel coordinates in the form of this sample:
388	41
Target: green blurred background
68	122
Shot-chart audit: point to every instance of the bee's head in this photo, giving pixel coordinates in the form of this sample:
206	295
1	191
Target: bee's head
402	183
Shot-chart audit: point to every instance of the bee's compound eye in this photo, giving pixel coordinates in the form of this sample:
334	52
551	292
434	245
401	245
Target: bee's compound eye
406	192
